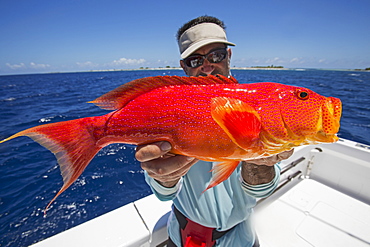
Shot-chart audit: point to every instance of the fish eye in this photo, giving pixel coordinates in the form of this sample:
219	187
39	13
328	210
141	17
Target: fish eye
302	94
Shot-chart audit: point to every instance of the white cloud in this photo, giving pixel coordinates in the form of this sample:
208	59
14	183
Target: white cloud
39	66
31	65
15	66
294	60
297	60
274	60
128	61
87	64
120	63
322	60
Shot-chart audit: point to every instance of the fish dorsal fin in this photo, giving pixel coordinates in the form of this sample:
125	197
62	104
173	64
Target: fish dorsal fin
119	97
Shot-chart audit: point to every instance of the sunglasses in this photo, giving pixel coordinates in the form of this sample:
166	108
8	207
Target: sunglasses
214	56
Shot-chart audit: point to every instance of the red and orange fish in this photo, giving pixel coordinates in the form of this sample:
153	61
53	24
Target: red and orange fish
210	118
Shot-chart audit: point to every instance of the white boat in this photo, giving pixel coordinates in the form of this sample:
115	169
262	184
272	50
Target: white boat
323	200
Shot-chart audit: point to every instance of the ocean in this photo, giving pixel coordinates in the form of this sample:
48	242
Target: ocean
30	177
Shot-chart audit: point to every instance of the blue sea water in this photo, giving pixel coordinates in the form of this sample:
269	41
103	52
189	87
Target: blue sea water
30	177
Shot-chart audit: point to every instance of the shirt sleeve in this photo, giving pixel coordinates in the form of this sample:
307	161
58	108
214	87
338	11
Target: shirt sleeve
161	192
262	190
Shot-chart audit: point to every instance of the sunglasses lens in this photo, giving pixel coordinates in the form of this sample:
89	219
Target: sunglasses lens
194	61
213	57
216	56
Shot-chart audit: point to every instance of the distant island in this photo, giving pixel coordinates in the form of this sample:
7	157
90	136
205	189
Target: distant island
268	67
262	67
252	67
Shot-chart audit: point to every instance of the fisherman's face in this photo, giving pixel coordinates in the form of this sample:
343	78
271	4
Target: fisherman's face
207	68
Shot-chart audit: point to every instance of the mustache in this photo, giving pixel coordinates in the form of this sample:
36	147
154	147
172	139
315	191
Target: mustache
215	72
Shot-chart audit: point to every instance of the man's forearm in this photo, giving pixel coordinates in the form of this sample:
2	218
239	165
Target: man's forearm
257	174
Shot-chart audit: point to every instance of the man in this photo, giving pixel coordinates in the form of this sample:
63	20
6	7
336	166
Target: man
221	215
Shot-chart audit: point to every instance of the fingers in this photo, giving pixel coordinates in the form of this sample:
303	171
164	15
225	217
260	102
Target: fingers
285	155
162	165
152	151
168	169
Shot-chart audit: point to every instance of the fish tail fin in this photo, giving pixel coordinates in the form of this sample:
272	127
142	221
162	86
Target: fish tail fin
221	172
72	142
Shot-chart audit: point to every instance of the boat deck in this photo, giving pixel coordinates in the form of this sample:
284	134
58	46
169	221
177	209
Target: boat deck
313	214
323	199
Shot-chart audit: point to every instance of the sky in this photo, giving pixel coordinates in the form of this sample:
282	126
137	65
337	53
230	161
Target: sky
43	36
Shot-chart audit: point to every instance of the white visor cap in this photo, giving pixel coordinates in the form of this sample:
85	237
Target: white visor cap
201	35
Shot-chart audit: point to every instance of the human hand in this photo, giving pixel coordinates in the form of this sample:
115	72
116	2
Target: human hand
261	171
272	160
161	165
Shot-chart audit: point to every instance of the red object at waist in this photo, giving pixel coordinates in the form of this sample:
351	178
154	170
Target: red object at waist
196	235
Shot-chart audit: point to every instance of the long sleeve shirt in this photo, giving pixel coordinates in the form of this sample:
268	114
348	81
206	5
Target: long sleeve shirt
222	207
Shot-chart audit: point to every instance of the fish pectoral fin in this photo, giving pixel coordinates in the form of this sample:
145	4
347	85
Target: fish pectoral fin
221	172
240	121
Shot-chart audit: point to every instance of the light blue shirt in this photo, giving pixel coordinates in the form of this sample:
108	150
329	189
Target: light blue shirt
222	207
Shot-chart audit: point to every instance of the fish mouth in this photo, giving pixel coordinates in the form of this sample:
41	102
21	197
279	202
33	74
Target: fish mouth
329	120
